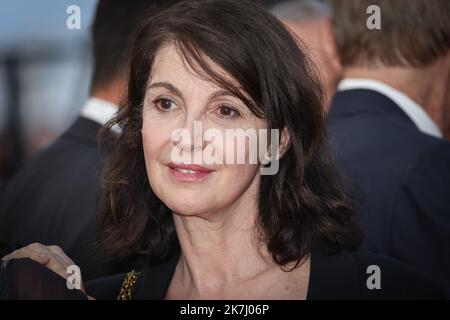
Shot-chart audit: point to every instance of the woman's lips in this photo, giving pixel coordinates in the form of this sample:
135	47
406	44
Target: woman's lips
189	173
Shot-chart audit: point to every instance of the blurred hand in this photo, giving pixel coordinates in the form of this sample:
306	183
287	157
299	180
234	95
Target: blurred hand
53	257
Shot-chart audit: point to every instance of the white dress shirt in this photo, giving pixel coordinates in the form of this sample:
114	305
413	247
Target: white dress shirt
99	110
412	109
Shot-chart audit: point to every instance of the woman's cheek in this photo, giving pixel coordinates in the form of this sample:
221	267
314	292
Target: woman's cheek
154	138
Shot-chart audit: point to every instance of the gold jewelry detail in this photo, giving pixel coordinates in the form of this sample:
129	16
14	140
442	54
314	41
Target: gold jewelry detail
128	286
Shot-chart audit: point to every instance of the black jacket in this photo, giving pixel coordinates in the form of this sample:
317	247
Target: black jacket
339	276
52	200
401	177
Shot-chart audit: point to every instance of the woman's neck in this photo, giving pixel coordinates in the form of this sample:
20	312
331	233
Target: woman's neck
220	252
224	259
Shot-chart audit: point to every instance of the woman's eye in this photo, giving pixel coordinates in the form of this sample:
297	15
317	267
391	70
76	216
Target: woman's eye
228	112
164	104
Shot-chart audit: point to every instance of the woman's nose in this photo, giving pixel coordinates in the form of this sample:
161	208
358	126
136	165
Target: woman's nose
190	136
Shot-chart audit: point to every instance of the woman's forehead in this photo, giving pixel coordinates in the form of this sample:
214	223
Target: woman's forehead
195	75
171	65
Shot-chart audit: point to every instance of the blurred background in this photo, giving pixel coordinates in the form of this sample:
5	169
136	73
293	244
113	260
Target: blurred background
45	70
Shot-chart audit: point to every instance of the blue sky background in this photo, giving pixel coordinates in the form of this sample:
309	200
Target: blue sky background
39	21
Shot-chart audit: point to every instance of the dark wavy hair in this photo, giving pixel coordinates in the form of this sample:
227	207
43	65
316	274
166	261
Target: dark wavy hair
303	204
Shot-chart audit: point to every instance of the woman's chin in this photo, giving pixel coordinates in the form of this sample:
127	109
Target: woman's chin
189	207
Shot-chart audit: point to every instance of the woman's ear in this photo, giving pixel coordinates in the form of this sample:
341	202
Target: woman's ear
284	141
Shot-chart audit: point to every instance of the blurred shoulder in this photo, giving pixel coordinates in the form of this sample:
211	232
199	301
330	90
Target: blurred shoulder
364	275
25	279
434	161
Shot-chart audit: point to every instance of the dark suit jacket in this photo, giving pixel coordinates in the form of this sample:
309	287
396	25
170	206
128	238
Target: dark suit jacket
341	276
52	200
401	177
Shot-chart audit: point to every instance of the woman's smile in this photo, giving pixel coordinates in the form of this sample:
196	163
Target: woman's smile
189	173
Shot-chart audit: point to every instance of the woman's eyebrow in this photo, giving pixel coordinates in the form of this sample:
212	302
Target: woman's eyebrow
221	93
176	91
167	86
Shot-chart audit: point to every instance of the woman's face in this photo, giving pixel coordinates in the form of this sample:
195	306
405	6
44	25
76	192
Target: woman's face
180	171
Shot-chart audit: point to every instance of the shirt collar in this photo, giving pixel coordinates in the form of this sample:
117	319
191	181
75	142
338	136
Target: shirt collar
412	109
99	110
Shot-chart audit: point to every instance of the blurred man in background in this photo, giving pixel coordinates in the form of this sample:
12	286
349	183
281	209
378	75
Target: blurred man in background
45	71
385	125
52	200
310	20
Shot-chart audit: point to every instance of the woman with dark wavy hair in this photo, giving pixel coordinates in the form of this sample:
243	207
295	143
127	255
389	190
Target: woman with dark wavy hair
222	229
